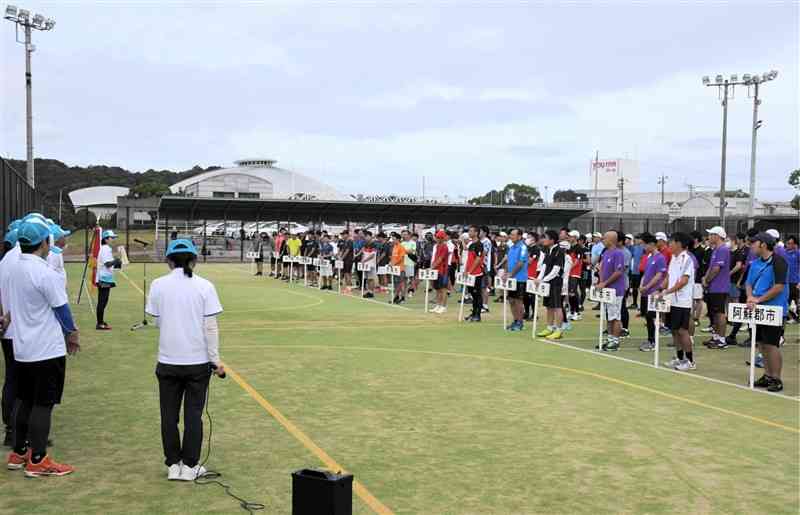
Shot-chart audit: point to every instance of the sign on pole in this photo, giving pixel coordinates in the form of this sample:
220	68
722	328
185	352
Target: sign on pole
501	283
603	296
464	280
659	305
760	315
339	265
428	275
541	289
364	268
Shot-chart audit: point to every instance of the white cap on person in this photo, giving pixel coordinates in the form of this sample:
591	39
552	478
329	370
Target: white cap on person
774	233
629	236
661	236
597	235
575	234
719	231
564	244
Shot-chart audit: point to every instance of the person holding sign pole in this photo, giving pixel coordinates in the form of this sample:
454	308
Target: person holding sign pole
612	275
680	287
440	256
550	271
474	265
655	270
717	283
517	256
766	285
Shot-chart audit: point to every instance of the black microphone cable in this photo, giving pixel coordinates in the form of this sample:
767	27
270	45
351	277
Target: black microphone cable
211	477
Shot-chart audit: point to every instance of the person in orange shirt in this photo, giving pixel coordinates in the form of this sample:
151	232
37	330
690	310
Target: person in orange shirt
398	259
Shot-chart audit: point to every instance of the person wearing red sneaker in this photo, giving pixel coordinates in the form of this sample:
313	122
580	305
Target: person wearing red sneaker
185	307
44	333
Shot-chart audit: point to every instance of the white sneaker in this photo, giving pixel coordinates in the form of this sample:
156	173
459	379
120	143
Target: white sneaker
673	363
685	365
192	473
174	471
442	309
437	309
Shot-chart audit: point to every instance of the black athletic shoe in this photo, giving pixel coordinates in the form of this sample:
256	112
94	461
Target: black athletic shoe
731	341
775	385
762	382
625	333
368	295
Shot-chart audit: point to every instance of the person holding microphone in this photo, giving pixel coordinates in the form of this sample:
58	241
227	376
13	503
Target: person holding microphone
185	307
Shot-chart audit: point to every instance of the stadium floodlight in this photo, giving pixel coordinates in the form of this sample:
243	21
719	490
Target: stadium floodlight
25	23
706	80
773	74
719	79
746	78
734	78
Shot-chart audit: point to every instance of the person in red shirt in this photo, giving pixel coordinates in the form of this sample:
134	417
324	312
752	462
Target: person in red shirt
533	269
439	262
663	246
474	267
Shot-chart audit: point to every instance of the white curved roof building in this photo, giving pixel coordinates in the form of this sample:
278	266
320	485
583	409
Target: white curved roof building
252	179
100	200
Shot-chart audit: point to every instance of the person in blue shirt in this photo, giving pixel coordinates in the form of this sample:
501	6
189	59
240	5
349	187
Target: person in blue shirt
636	246
517	269
766	286
793	258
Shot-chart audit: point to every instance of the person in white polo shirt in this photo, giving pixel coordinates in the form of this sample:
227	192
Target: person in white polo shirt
56	258
185	307
43	333
105	277
680	285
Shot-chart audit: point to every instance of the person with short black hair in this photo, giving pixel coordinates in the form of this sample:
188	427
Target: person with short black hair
680	280
517	269
551	271
474	266
185	307
655	271
262	246
766	285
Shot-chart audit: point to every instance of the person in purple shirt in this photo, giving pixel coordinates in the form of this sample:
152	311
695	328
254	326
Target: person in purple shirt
612	275
717	283
655	270
793	260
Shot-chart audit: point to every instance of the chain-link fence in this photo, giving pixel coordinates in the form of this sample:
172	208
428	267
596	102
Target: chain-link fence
17	197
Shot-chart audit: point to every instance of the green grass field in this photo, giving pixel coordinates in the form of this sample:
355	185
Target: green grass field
431	416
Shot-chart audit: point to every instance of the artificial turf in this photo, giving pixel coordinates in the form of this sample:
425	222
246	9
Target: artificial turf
430	415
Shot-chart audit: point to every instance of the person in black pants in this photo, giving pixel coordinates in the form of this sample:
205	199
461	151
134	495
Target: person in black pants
475	267
185	307
105	277
9	390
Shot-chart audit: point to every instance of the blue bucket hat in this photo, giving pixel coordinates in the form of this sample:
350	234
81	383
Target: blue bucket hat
108	233
11	237
33	232
58	232
181	245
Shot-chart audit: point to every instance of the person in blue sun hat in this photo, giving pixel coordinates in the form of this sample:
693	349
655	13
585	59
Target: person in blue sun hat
106	263
56	258
38	316
185	307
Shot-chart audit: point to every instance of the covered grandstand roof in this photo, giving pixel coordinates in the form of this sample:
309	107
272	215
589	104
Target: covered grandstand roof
195	208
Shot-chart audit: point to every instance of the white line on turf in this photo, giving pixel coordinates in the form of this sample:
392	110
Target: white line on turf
681	374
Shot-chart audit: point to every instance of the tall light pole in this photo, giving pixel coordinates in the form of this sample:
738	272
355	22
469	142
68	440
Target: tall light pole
662	180
753	82
22	18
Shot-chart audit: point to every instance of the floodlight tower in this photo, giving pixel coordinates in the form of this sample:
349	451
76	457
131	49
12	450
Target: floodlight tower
22	18
753	82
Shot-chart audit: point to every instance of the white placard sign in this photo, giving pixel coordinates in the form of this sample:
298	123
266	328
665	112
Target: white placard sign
428	275
505	284
394	270
287	259
465	279
659	305
364	267
542	289
252	255
315	261
383	270
761	315
605	295
339	264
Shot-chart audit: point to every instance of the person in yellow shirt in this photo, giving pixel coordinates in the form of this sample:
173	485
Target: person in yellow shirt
294	244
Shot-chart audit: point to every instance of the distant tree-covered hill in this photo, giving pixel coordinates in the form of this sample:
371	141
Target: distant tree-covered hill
53	176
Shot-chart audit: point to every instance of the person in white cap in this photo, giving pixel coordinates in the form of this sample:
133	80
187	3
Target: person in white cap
56	258
105	277
717	284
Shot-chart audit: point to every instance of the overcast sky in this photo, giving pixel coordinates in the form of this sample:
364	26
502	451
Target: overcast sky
372	96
